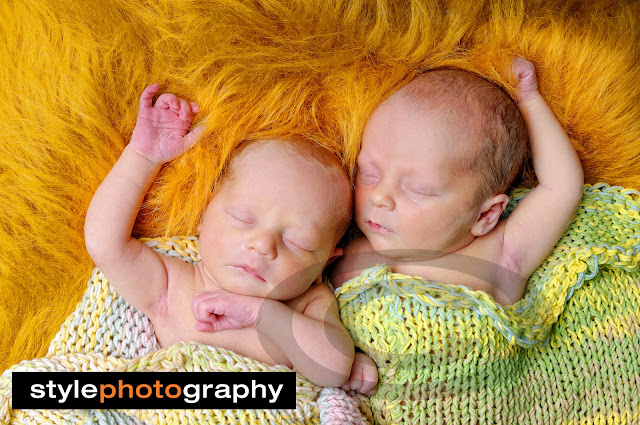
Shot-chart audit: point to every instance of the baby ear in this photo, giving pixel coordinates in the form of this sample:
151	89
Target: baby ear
490	212
337	252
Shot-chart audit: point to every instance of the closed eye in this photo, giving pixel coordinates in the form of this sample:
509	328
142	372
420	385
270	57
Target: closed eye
297	245
366	176
240	218
416	191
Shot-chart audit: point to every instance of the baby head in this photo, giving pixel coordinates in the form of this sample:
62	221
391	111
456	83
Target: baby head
275	218
436	159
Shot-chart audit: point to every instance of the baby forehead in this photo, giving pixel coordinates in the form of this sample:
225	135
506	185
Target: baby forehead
268	152
302	171
273	160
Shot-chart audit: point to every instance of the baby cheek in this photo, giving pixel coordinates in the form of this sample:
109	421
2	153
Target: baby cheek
408	228
360	189
306	271
222	239
360	198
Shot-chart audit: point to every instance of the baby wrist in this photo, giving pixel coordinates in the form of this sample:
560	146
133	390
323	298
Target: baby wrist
146	157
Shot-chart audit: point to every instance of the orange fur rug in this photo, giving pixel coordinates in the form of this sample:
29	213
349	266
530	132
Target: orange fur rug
71	73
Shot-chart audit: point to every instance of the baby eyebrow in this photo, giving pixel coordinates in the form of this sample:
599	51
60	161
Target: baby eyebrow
309	236
312	236
422	181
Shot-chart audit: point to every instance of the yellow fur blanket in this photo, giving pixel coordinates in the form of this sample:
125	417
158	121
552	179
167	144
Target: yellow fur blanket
70	74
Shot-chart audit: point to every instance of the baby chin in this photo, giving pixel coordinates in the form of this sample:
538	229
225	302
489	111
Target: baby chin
242	282
381	240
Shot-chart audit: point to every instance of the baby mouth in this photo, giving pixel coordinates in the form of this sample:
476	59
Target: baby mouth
250	271
377	228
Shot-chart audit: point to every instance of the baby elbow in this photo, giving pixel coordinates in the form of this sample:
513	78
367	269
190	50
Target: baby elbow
579	178
337	374
101	248
342	372
92	242
334	379
578	188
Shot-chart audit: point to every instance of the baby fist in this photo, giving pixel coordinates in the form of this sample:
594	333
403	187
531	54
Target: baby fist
219	310
525	78
162	129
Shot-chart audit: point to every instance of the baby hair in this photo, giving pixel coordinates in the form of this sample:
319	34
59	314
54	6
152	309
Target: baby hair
499	147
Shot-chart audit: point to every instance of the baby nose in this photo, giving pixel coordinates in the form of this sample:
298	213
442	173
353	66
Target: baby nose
381	197
264	243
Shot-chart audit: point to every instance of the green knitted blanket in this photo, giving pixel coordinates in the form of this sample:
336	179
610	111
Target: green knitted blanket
565	353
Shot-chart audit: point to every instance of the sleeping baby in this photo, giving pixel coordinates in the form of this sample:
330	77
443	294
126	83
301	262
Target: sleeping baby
268	232
436	160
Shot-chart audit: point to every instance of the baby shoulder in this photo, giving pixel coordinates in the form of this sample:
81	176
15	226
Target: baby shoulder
181	288
503	271
317	302
491	247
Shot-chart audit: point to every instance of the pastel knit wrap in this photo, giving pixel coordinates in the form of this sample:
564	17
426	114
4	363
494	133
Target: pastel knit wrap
107	334
565	353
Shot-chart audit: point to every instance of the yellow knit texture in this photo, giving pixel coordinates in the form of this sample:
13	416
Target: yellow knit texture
182	357
71	73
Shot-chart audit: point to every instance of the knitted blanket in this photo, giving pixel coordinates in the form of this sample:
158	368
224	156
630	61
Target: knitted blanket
565	353
105	333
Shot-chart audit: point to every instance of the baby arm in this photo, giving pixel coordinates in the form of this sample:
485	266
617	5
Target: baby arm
161	134
536	224
314	341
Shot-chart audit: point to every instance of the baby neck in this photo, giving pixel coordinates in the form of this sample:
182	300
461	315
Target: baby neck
206	282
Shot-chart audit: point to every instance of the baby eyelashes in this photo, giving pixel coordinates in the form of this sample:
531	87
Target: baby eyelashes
244	220
367	176
370	175
408	189
417	190
241	218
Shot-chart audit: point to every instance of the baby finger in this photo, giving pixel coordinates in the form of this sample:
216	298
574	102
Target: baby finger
185	110
168	101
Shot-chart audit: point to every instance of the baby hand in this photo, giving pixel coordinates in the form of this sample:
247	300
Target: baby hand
219	310
364	375
162	129
525	78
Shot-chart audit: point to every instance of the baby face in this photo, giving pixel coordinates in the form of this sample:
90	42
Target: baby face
407	194
271	228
